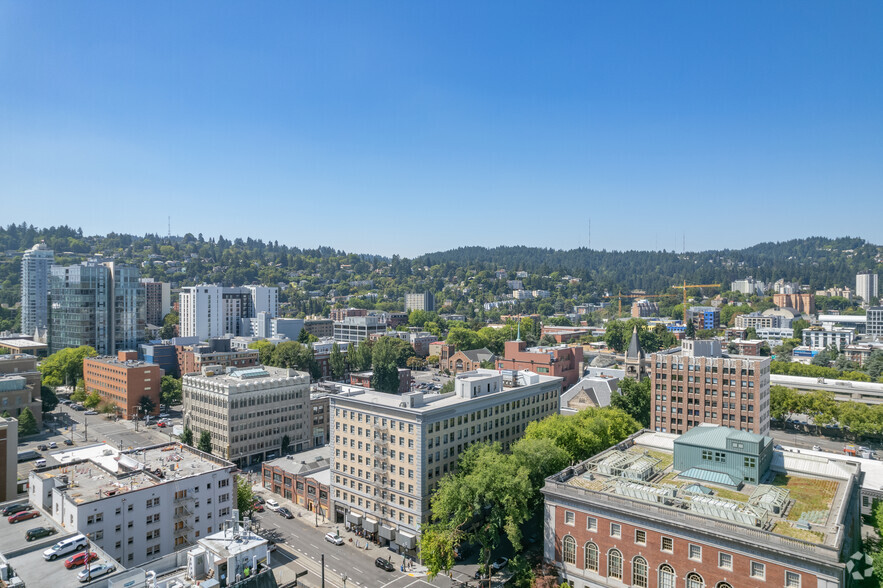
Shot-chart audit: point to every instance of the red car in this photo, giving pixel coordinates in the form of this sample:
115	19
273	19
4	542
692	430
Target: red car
79	559
258	507
23	516
160	424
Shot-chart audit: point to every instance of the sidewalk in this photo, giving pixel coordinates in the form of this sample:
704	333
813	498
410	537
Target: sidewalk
309	518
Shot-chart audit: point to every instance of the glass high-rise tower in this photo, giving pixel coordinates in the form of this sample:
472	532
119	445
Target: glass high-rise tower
102	305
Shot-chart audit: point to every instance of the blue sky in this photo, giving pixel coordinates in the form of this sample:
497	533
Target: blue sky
406	127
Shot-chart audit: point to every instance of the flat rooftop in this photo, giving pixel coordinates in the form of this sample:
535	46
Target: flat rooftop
99	471
127	363
22	344
801	496
427	402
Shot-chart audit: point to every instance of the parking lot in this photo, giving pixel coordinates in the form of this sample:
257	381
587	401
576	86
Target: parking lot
428	381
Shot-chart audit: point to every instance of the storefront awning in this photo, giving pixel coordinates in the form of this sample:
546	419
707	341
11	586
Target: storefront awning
370	525
353	518
406	540
387	533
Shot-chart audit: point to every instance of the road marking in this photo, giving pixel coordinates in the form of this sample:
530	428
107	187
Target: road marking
358	570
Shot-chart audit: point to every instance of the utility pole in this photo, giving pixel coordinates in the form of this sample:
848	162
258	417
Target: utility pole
323	570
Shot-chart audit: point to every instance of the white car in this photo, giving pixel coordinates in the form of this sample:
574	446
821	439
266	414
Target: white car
816	447
53	445
163	415
90	412
332	538
272	504
95	571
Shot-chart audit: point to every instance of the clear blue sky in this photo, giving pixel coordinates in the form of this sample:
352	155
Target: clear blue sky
406	127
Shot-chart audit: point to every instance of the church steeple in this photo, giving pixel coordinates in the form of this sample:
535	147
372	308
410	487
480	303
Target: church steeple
634	350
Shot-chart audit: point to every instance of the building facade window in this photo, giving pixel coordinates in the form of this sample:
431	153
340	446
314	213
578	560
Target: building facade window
568	550
667	545
591	557
694	580
592	524
667	577
640	537
792	580
695	552
639	572
569	518
758	570
614	564
615	530
725	561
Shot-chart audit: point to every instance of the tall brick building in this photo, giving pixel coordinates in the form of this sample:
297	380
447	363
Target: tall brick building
802	303
701	384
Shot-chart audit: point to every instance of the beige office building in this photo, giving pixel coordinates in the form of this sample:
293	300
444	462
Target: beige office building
249	411
390	451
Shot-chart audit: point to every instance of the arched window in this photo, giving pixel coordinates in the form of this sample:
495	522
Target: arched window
591	557
694	580
639	572
723	585
667	577
569	549
614	564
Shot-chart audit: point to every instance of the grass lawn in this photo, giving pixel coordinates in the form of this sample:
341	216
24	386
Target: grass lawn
808	494
729	494
666	459
786	529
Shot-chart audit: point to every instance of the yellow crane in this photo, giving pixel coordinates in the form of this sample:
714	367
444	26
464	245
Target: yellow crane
685	286
621	296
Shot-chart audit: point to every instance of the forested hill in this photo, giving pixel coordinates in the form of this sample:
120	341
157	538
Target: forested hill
817	261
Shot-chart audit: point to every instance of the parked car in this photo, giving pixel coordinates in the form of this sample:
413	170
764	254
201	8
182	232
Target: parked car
258	507
90	412
95	571
164	415
272	504
384	564
258	499
285	512
14	508
79	559
271	545
53	445
24	516
68	441
65	546
499	564
39	533
816	447
333	538
161	424
42	447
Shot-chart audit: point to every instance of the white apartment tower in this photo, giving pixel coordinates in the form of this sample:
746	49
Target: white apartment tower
866	286
214	311
35	265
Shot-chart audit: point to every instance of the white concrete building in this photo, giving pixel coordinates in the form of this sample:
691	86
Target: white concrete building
263	326
822	338
866	286
248	411
391	451
137	505
748	287
35	264
214	311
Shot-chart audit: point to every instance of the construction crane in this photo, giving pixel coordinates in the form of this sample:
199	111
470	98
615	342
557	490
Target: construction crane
685	286
621	296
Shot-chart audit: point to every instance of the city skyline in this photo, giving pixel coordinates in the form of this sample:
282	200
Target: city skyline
243	122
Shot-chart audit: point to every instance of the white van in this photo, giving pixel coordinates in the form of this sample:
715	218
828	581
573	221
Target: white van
40	463
66	546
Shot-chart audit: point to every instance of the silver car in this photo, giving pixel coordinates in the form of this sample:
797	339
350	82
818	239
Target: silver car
95	571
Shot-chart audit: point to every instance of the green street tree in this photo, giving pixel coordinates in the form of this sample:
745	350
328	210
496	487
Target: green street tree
585	433
50	400
79	393
205	442
337	362
244	496
690	330
65	367
634	399
265	351
92	400
27	423
171	390
169	322
187	436
146	404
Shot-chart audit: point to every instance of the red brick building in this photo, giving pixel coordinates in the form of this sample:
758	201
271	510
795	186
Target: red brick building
802	303
701	384
302	478
566	334
607	527
123	380
191	358
561	361
364	379
467	361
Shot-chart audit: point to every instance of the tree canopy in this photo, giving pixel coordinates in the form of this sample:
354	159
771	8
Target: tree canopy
65	367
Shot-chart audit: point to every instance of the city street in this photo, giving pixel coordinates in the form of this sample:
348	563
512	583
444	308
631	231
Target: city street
302	540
